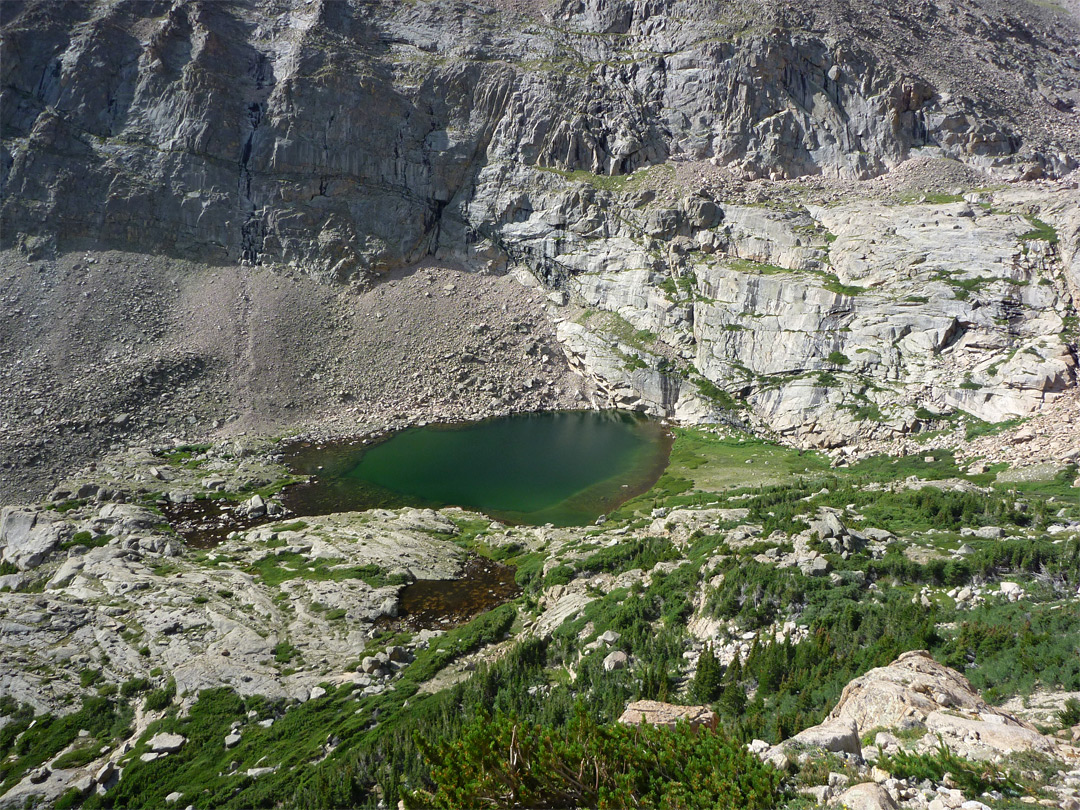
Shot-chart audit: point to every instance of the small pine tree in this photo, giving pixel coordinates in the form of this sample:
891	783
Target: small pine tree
655	683
708	678
734	670
732	696
733	699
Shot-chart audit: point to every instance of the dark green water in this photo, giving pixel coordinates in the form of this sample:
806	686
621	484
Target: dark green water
565	468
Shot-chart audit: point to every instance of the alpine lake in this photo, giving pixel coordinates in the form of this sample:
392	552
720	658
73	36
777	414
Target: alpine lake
565	468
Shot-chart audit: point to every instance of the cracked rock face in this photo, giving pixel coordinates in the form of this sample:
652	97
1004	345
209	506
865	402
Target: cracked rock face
832	323
352	138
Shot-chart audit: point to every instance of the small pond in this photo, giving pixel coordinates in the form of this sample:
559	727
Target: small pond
445	603
565	468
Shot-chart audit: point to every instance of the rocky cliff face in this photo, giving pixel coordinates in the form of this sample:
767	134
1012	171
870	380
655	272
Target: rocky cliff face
352	137
835	322
627	153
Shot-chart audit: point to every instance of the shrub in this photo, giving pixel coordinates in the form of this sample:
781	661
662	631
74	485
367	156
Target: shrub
1069	715
501	762
133	686
838	358
284	652
161	699
973	778
643	554
559	575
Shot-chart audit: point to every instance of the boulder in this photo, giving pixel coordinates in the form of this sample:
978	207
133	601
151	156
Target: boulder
818	567
916	690
65	573
615	660
866	796
911	687
27	537
11	582
979	738
166	743
837	736
655	713
374	663
105	773
1011	590
255	507
828	525
609	637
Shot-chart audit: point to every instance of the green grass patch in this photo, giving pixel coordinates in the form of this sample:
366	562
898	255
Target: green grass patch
1040	231
23	747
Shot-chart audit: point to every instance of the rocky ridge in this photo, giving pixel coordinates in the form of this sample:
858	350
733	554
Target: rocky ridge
258	116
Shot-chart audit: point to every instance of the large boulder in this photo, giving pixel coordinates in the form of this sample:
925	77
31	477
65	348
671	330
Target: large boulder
837	736
988	735
910	688
27	537
616	660
166	743
655	713
917	690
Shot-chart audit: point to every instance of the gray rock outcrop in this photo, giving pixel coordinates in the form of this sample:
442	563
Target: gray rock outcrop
837	736
917	691
351	138
27	536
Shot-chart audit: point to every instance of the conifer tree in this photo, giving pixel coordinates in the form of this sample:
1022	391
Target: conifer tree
707	679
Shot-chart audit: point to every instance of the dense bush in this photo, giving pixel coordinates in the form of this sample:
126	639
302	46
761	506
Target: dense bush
160	699
1070	713
643	554
973	778
504	762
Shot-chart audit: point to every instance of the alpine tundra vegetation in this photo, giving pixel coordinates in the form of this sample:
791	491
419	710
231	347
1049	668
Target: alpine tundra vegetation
746	331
